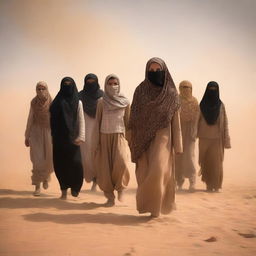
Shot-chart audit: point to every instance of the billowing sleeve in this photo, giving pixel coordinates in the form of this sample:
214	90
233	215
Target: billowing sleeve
176	133
96	131
29	123
194	130
80	120
227	143
126	122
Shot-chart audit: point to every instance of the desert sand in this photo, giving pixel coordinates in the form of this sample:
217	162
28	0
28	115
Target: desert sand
49	226
46	225
47	40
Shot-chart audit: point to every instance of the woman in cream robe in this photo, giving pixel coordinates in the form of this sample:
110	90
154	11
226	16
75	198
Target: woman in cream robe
111	148
89	96
38	137
155	136
189	114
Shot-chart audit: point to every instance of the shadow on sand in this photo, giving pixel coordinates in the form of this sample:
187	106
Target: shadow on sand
18	193
99	218
186	191
17	203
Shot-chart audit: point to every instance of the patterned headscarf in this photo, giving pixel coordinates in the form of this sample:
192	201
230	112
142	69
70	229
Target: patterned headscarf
189	104
152	109
41	104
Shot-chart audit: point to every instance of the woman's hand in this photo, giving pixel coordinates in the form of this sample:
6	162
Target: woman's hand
78	142
27	142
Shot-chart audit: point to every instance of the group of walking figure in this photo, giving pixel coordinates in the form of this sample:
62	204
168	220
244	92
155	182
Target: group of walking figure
94	135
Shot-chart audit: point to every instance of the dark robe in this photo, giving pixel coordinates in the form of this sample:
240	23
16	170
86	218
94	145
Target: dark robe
66	155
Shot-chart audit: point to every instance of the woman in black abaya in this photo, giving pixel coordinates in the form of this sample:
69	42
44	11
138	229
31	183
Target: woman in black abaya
68	132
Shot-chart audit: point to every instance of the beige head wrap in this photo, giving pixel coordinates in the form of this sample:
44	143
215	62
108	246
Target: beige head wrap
40	105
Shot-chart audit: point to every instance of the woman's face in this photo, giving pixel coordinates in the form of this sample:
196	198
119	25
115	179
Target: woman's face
113	86
154	67
90	81
41	92
112	82
40	88
212	88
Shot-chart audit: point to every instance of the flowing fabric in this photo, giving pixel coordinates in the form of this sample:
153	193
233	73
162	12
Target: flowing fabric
65	110
152	109
113	101
210	103
189	114
90	95
189	108
38	134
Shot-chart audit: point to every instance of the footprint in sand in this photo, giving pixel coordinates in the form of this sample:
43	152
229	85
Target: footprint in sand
247	235
131	253
211	239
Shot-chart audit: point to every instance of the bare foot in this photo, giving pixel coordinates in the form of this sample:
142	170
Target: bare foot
37	190
63	194
94	187
110	203
120	196
45	184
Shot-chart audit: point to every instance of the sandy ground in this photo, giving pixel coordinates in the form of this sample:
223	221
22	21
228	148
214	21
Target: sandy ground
47	225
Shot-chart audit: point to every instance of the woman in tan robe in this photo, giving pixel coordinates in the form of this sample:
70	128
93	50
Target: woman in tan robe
155	134
111	148
213	137
89	97
38	137
185	162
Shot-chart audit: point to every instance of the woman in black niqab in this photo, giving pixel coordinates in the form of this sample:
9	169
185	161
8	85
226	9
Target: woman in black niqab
90	94
210	103
64	127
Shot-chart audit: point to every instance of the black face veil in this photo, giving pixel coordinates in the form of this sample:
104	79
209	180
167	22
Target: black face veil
90	94
64	111
210	103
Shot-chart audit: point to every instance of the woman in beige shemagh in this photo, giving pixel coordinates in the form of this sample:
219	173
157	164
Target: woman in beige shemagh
213	137
38	137
112	156
155	133
189	114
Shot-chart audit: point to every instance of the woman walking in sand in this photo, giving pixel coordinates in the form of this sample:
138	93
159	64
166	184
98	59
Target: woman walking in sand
189	114
111	148
67	125
89	96
213	136
38	137
155	133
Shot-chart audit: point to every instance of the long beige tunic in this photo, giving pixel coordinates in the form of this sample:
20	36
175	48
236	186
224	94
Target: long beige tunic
212	141
40	142
185	163
112	156
155	171
86	149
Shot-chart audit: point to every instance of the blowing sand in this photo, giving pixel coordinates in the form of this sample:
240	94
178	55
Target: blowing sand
46	225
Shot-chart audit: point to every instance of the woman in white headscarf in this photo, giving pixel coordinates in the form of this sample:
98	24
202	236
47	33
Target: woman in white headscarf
38	137
189	114
111	147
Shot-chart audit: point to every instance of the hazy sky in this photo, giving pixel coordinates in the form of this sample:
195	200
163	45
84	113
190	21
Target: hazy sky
200	40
